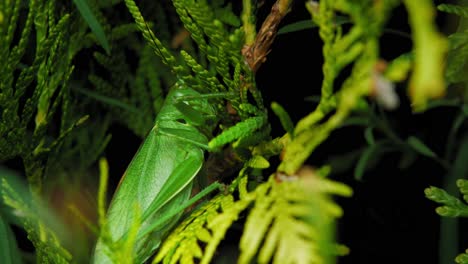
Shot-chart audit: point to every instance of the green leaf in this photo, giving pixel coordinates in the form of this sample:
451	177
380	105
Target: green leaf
307	24
284	118
297	26
40	222
420	147
227	16
363	161
427	79
9	251
355	121
106	99
371	156
454	9
369	136
93	23
442	103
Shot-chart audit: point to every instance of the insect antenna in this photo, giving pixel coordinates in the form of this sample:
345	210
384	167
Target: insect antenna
156	44
156	47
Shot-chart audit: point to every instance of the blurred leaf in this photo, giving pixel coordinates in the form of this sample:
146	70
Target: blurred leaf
366	156
44	228
457	40
9	251
420	147
307	24
371	156
297	26
454	9
362	106
284	118
227	16
427	80
107	100
93	23
356	121
442	103
19	186
397	70
369	136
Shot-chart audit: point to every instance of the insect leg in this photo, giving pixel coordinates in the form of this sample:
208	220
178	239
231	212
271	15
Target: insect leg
240	130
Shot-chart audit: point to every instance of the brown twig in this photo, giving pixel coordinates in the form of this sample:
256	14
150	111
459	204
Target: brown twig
256	53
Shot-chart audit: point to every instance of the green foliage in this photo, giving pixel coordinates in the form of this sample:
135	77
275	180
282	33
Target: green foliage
427	81
456	149
283	214
357	48
40	86
453	207
296	221
182	245
57	112
9	250
51	75
33	90
284	118
34	218
95	26
458	49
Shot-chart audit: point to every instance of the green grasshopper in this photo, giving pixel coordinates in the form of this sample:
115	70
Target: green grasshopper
159	178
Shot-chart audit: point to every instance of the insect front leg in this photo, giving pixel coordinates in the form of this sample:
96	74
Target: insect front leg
240	130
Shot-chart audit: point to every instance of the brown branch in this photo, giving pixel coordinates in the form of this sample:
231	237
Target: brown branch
256	53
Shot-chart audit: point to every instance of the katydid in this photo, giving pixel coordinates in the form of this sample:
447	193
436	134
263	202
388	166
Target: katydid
159	178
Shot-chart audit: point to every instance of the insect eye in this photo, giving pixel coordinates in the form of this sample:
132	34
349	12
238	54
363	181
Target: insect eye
181	120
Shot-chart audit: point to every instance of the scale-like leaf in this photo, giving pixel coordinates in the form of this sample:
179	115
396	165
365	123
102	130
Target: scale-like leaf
291	220
183	243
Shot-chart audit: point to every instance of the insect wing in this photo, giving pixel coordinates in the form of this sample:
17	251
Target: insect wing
158	179
144	179
175	193
179	179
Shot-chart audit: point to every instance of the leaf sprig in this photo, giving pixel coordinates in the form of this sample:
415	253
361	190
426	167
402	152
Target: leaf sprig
290	222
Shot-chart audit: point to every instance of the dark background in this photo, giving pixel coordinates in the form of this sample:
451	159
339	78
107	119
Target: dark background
388	219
